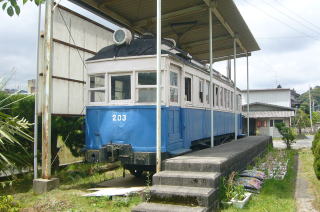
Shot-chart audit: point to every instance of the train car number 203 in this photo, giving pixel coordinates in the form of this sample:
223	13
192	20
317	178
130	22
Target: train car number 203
119	117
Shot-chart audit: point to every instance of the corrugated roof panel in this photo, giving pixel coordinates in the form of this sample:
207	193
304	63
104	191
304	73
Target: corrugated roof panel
186	21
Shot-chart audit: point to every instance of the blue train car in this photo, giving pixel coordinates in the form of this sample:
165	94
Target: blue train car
121	110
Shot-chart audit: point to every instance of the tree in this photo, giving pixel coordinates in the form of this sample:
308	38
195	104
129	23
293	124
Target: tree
315	117
301	120
12	6
288	134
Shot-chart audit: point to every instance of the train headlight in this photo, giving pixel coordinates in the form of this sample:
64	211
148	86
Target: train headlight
122	36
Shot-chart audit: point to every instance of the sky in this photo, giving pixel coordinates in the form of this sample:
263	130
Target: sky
287	31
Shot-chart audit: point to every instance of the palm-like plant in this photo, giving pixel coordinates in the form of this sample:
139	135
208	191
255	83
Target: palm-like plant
13	130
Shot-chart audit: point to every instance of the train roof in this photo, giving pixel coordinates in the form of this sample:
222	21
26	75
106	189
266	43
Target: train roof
146	45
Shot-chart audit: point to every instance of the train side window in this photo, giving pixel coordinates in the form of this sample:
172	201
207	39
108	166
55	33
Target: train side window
217	95
187	88
174	91
231	98
121	87
225	97
97	81
221	97
207	91
97	88
239	102
146	86
201	91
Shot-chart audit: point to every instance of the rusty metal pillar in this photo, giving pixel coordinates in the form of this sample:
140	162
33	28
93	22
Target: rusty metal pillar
47	92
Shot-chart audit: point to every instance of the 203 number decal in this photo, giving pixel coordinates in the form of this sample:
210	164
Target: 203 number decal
118	117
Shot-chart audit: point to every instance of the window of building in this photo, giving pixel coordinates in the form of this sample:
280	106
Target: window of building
97	88
207	91
174	91
146	86
271	123
187	88
225	98
201	91
121	87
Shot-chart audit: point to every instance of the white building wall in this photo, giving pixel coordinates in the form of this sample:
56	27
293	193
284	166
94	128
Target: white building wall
281	97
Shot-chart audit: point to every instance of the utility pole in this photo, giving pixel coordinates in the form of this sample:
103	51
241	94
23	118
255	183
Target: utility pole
310	110
46	183
36	97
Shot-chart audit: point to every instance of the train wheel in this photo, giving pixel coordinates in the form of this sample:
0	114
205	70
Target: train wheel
136	173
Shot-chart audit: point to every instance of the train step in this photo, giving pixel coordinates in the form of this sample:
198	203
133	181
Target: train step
182	178
157	207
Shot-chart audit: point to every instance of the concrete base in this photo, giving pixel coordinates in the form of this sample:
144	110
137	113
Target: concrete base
41	186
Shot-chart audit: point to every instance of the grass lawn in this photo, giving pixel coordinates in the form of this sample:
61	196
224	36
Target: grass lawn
306	158
275	195
76	179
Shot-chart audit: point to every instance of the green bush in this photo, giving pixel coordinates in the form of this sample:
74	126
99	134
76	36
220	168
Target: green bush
316	163
7	204
316	166
316	141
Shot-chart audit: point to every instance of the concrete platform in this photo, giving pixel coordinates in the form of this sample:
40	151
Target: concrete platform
192	179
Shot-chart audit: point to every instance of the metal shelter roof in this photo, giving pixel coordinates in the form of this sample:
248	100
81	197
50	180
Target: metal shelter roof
186	21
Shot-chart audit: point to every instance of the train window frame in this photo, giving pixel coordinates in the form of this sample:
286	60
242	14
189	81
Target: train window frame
232	100
189	94
217	96
110	87
221	97
174	86
201	91
139	87
207	92
92	90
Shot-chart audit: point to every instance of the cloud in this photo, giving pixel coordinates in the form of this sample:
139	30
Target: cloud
287	56
18	41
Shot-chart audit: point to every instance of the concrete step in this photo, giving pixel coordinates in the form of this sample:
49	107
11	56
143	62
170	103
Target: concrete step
182	178
157	207
193	196
190	164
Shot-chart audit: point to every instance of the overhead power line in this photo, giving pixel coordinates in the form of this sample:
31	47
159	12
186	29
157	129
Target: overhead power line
281	21
298	15
292	18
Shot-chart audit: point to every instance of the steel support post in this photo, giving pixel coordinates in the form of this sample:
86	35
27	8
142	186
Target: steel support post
235	105
310	110
211	89
248	99
36	97
158	165
46	107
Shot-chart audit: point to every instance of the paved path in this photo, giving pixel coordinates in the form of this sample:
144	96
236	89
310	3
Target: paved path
304	195
301	143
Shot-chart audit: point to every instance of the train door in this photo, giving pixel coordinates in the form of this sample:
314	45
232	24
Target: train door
174	111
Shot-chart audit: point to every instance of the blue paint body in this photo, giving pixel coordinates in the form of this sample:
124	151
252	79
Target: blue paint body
136	125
